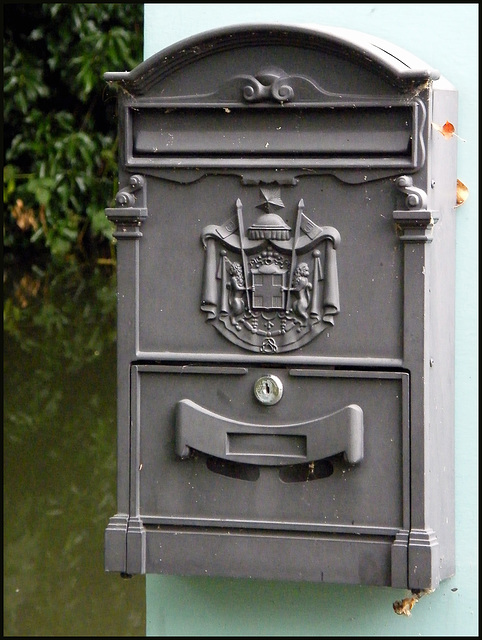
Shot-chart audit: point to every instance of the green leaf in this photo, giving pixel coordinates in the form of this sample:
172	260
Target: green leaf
59	246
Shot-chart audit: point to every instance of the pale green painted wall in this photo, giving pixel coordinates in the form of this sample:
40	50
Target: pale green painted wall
446	37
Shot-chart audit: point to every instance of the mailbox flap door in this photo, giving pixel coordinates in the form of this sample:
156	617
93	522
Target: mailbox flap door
215	454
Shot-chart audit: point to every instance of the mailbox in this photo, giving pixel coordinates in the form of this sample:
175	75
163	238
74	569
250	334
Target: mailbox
285	255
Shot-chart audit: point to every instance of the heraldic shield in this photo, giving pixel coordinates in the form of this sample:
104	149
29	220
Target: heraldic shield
269	289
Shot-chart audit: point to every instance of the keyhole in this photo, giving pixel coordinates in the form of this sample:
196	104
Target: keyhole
268	389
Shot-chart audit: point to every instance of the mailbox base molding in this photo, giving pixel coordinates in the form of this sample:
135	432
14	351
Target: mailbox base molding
261	554
424	559
115	543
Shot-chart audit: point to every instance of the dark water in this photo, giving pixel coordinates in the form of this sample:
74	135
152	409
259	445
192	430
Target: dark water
60	473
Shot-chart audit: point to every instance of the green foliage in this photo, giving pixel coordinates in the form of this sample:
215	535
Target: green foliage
60	134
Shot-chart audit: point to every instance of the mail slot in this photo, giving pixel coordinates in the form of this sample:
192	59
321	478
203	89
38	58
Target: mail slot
285	237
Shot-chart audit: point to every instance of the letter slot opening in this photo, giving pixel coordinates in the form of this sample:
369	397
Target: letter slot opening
272	445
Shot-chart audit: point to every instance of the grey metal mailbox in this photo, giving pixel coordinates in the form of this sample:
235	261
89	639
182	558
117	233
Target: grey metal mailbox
285	246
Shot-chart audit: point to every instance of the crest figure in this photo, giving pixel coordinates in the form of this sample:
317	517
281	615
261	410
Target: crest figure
270	289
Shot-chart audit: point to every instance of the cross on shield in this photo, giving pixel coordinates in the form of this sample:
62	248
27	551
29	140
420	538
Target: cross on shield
268	290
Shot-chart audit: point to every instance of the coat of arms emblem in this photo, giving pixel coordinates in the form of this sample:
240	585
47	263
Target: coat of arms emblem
270	289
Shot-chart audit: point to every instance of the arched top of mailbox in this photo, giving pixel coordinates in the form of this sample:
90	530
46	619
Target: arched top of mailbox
394	66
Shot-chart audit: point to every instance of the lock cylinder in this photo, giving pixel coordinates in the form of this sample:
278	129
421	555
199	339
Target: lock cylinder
268	389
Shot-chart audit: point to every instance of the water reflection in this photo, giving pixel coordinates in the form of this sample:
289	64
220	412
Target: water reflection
60	470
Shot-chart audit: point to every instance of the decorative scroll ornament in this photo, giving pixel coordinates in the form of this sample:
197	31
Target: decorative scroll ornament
131	208
267	289
270	84
416	221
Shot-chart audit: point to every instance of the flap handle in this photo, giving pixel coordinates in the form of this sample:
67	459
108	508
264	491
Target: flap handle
273	445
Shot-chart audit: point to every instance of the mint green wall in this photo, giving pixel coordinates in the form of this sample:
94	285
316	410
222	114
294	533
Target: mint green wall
446	37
